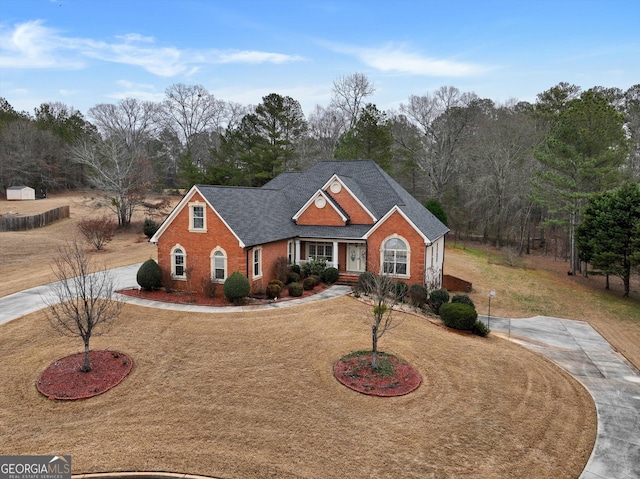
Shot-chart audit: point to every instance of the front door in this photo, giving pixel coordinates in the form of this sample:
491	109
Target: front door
356	257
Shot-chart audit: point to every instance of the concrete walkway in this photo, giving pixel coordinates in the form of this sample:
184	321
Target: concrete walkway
575	346
612	381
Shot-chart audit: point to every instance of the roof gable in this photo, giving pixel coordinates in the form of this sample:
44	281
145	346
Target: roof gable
322	210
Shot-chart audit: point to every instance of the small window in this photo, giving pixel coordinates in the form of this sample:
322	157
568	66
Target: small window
291	253
257	262
395	257
178	263
218	265
197	218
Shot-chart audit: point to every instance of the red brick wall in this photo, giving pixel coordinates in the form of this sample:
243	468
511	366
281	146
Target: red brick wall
198	246
270	252
397	224
320	216
357	214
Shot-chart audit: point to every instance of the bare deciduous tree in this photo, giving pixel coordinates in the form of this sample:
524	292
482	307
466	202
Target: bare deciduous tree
83	298
383	293
348	95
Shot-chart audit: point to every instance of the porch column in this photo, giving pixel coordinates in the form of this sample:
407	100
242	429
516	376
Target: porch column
297	258
335	255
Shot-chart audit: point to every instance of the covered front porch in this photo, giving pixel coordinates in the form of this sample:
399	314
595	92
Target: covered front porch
349	257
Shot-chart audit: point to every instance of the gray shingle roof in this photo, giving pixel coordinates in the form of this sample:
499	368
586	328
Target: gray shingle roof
262	215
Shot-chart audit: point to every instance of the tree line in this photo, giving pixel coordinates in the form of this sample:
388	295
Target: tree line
516	174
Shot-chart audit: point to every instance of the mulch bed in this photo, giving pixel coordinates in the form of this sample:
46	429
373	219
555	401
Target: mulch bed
354	371
63	379
200	299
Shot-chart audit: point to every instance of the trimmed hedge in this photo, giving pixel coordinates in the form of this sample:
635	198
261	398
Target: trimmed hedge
295	290
330	275
437	298
463	299
458	316
236	287
273	290
149	276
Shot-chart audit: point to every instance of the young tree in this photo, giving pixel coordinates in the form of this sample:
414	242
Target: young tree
609	236
384	294
83	302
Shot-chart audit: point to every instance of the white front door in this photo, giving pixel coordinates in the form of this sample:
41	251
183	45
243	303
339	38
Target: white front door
356	257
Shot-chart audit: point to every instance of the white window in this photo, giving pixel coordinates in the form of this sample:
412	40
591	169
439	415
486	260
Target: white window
257	262
395	257
218	265
197	217
320	251
178	263
291	253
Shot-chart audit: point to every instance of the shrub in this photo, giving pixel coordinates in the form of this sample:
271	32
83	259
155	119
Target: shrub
365	280
273	290
435	207
149	276
236	287
330	275
149	227
316	279
295	268
437	298
97	231
418	295
309	283
293	277
463	299
314	266
278	282
295	289
400	289
481	329
281	268
209	287
458	316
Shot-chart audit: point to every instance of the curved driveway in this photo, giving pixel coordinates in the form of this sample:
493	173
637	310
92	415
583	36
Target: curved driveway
575	346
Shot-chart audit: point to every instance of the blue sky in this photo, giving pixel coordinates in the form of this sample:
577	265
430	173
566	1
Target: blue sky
85	52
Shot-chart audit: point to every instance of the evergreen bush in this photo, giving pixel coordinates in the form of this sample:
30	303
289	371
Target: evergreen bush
418	295
314	266
236	287
149	227
293	277
401	289
273	290
481	329
458	316
330	275
463	299
437	298
309	283
149	276
295	290
365	280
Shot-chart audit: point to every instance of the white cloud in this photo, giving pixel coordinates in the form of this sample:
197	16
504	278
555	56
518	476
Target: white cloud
33	45
392	58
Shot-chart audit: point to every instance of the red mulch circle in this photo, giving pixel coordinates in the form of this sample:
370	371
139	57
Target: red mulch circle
354	371
63	379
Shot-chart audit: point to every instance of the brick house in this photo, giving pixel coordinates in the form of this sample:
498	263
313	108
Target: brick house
352	214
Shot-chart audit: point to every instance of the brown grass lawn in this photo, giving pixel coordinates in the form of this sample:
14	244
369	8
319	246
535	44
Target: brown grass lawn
247	395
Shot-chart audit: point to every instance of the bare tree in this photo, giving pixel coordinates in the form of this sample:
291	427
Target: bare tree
349	93
384	294
325	127
131	120
83	297
115	168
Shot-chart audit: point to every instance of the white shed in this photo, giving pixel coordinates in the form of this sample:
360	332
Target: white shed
21	193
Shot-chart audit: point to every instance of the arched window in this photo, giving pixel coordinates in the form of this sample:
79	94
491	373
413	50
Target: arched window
218	264
178	262
395	257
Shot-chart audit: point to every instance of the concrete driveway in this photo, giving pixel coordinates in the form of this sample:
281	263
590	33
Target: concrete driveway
612	381
574	346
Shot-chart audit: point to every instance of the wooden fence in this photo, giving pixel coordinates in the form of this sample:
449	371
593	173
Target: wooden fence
22	223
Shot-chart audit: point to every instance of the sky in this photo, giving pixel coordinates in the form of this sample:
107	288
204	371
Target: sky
86	52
